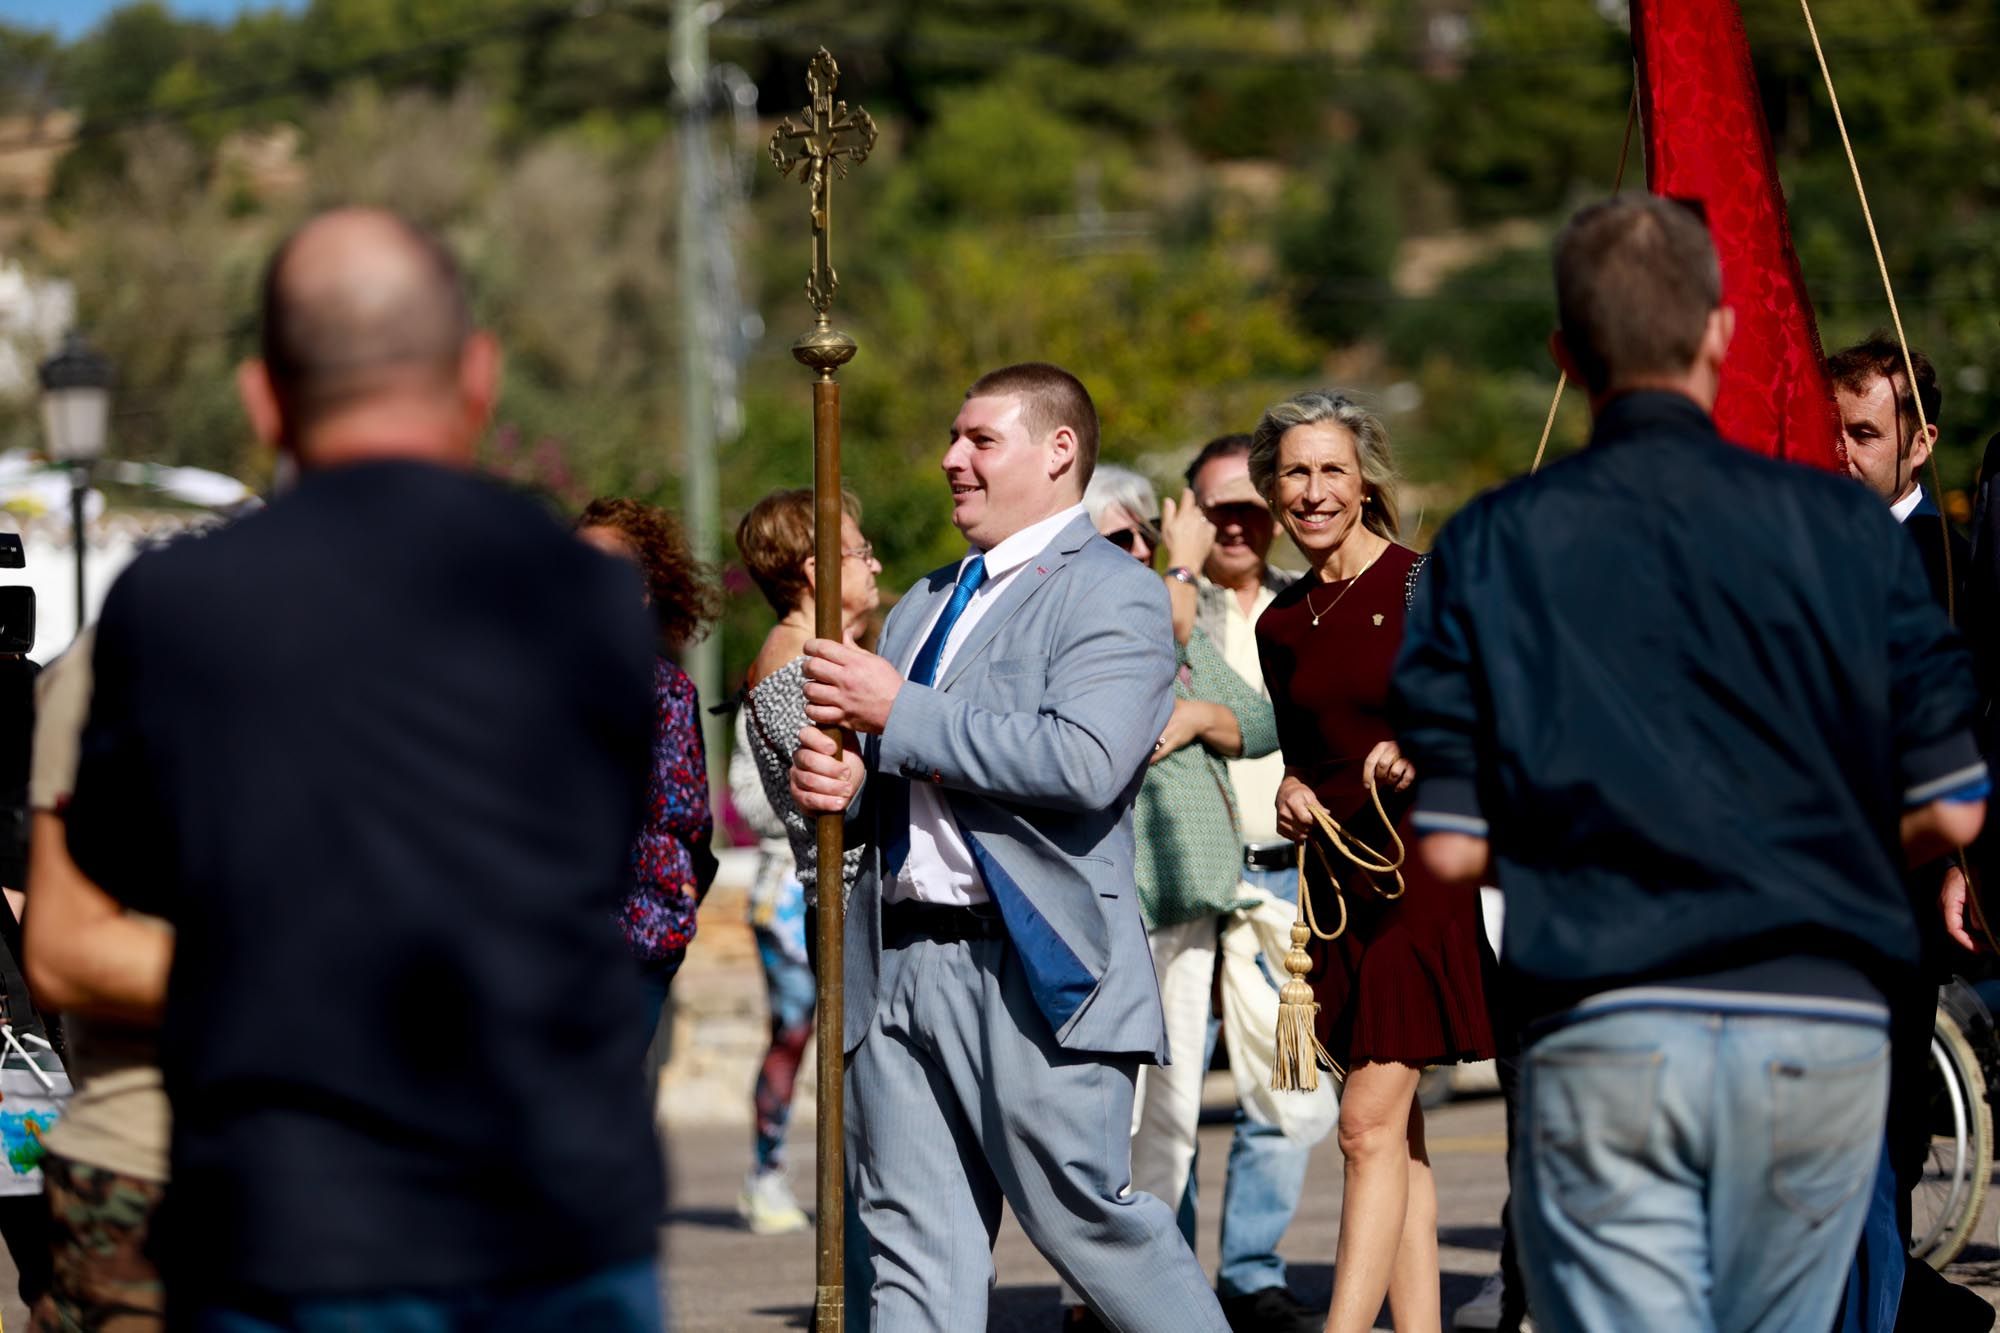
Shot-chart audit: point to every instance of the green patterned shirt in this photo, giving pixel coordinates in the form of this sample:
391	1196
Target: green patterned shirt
1190	839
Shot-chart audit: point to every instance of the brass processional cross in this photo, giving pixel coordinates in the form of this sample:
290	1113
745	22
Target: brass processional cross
831	139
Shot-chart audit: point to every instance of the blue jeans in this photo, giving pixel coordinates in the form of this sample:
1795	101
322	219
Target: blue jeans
625	1299
1694	1169
1875	1282
1267	1171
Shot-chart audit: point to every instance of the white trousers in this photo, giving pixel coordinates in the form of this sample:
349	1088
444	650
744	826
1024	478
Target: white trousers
1168	1106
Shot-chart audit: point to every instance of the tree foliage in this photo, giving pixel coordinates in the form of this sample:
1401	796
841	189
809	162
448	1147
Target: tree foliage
1200	205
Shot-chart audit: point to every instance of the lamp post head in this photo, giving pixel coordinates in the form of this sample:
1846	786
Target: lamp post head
76	400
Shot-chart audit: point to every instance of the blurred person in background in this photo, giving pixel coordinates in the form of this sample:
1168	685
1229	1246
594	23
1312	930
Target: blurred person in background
379	754
1122	506
1887	444
673	864
106	969
1887	449
778	924
775	540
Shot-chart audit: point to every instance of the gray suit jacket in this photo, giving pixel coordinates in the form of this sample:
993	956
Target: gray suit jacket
1039	732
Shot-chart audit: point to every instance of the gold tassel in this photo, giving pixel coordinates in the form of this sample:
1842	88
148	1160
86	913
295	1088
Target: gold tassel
1299	1051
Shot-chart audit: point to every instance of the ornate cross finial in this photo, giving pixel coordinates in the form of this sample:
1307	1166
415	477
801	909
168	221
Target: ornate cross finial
832	136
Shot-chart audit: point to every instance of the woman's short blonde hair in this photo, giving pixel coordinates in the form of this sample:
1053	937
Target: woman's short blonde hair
775	540
1371	448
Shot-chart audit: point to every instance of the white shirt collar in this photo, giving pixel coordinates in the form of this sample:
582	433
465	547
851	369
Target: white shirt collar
1906	506
1010	553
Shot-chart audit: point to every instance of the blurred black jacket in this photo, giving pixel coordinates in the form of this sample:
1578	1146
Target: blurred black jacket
378	752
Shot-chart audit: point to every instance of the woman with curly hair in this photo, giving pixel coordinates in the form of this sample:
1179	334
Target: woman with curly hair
672	865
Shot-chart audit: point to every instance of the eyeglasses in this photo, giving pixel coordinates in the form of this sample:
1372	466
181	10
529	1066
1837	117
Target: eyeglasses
1126	538
864	552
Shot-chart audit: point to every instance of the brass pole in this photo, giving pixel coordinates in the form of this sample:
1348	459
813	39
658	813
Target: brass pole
831	139
830	1015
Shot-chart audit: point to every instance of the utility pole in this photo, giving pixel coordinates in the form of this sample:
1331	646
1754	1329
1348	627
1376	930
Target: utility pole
701	499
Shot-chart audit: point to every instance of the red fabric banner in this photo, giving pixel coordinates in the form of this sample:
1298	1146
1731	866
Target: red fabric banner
1706	140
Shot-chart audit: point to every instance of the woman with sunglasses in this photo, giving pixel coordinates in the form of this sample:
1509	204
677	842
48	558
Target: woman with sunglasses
1121	504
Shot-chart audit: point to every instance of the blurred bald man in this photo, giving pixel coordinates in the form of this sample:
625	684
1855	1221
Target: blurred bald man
378	753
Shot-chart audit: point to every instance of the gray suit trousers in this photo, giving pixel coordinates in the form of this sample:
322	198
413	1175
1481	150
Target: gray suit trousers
960	1097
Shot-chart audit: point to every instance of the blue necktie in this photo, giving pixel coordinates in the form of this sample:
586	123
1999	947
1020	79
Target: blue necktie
923	671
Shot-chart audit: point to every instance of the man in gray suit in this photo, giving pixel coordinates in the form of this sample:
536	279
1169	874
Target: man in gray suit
1000	993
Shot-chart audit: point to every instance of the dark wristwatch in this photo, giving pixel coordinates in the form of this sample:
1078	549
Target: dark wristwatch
1181	574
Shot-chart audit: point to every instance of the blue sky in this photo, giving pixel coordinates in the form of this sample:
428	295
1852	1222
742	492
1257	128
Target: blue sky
73	18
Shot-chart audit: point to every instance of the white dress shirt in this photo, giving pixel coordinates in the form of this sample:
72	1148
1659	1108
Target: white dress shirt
939	868
1256	780
1906	506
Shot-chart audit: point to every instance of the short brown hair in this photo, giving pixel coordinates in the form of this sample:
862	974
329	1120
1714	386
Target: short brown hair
1050	397
683	594
1880	356
1636	279
1222	446
775	540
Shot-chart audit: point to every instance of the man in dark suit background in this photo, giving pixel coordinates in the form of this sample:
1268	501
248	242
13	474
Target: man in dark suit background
1887	448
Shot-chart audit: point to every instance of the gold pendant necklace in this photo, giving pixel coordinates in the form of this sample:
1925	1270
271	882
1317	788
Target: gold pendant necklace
1318	615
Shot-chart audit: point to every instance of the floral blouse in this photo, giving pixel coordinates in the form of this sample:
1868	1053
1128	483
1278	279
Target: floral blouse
672	865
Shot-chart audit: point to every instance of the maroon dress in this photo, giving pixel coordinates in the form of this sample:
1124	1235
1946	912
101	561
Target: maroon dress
1404	982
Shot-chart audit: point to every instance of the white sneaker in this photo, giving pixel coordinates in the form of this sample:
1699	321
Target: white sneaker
767	1207
1483	1310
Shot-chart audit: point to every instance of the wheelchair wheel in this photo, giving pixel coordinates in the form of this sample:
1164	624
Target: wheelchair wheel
1946	1203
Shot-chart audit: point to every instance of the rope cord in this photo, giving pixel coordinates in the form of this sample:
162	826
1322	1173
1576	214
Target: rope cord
1617	184
1357	852
1888	290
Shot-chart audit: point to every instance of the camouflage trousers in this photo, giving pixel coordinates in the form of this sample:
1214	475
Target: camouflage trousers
105	1280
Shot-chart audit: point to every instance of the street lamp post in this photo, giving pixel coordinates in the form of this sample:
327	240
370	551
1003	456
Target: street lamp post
76	416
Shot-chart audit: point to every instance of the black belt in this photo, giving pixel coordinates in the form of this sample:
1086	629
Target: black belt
1271	856
941	923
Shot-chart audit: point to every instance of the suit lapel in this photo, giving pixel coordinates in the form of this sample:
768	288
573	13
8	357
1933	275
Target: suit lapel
1026	582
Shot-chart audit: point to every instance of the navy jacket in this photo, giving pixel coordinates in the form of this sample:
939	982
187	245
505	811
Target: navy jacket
1687	691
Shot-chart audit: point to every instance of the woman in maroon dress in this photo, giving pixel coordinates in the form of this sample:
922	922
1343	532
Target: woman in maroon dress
1401	987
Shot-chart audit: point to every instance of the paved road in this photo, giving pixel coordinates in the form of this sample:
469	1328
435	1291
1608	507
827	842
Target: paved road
728	1281
725	1280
